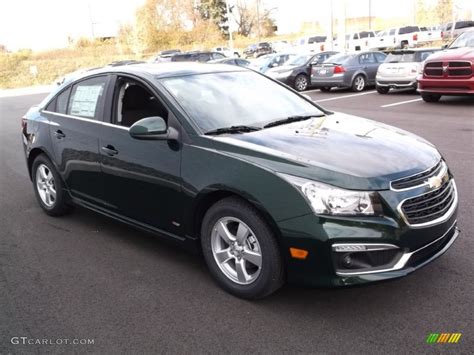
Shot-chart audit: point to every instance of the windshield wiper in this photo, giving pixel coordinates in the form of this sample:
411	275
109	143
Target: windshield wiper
290	119
232	129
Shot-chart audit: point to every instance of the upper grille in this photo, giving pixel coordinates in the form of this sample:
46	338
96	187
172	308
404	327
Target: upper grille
453	69
418	179
430	206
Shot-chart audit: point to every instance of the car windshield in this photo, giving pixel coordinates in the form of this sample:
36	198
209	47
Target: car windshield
338	58
299	60
464	40
226	99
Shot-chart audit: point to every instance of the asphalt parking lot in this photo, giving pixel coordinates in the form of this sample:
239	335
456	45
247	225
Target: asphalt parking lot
85	276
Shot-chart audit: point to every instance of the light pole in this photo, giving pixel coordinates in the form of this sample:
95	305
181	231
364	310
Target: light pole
258	20
231	40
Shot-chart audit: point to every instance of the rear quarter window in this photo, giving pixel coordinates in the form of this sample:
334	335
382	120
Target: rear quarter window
86	98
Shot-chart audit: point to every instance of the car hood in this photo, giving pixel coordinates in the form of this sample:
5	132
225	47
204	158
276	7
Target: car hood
338	149
282	69
466	53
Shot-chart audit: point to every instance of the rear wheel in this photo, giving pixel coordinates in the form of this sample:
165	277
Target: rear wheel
48	186
359	83
430	97
382	90
325	89
240	249
301	82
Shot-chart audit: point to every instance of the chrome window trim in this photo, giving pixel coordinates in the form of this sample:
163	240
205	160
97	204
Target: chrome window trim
444	171
436	221
400	264
86	119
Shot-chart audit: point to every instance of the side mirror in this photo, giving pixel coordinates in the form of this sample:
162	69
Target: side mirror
152	128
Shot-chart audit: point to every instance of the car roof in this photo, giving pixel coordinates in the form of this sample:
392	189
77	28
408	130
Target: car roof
164	70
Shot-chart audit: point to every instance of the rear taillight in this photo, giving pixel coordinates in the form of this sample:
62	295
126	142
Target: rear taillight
442	34
415	37
338	69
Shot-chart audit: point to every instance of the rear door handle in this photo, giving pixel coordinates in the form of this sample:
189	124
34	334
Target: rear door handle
109	150
59	134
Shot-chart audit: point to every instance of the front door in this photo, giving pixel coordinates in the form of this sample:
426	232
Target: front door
141	177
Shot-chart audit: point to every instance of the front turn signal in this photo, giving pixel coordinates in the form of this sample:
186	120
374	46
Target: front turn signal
298	253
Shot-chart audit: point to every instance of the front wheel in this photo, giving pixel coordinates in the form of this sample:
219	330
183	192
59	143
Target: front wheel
48	186
301	82
430	97
240	249
358	84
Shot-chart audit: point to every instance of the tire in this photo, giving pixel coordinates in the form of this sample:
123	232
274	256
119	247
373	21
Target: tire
325	89
430	97
48	187
382	90
358	84
231	215
301	82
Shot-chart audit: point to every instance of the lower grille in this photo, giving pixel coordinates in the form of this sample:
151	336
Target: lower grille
430	206
430	250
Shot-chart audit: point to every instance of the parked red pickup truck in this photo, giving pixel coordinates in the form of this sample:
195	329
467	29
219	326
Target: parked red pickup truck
449	72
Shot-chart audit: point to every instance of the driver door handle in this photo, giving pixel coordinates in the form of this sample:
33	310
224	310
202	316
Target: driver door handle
109	150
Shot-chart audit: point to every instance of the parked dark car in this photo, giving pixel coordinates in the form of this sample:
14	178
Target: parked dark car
257	50
297	71
202	57
270	186
347	70
232	61
165	56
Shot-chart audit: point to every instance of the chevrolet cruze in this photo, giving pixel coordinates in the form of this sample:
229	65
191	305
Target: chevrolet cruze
267	184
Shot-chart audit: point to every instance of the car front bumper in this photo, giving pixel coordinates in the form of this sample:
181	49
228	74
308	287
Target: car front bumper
415	247
445	86
396	83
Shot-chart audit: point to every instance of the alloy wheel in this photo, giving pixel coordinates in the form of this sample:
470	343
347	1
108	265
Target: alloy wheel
45	185
236	250
301	83
359	83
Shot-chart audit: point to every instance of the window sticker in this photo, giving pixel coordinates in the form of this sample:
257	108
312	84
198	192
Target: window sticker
85	100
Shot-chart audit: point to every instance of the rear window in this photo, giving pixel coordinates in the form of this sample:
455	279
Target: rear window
338	58
317	39
408	29
464	24
400	57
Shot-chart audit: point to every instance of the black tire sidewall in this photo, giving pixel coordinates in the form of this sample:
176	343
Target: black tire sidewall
271	273
60	206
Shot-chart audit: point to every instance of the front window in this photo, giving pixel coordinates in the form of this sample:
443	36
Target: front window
254	99
464	40
298	60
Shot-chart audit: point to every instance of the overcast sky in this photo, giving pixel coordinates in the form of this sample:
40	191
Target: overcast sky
43	24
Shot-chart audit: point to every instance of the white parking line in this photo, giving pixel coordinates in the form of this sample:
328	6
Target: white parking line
346	96
401	103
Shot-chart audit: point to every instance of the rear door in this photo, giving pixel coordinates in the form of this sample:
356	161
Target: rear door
75	120
142	177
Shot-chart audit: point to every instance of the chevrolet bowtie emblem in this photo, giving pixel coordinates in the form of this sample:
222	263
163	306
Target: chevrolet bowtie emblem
434	182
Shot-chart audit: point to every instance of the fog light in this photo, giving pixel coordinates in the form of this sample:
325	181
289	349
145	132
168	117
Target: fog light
347	260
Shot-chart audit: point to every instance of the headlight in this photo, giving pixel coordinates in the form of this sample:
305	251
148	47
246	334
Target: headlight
330	200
